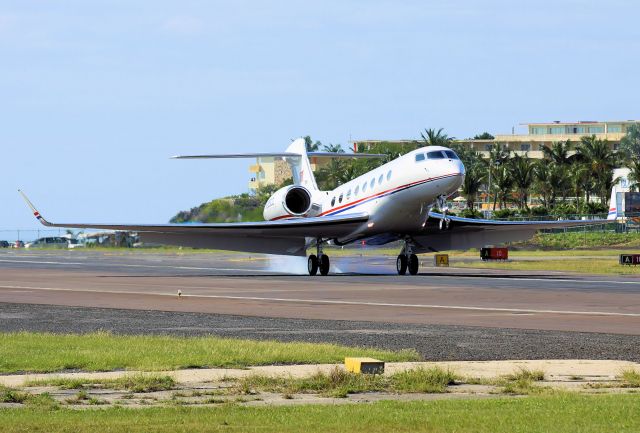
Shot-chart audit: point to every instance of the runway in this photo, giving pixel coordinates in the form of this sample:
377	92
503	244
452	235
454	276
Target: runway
261	288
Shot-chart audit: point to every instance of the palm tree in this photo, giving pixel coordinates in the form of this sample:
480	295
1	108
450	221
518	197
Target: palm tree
580	179
558	152
543	185
435	138
472	181
630	150
560	181
336	148
634	174
523	177
503	183
601	161
630	143
498	156
310	145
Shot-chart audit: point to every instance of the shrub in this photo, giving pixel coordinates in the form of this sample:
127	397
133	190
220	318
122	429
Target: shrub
470	213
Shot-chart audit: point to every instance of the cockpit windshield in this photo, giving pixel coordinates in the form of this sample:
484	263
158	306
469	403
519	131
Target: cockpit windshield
451	154
436	154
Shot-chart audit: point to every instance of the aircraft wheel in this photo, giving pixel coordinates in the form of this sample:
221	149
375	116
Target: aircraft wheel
414	264
312	264
401	264
323	263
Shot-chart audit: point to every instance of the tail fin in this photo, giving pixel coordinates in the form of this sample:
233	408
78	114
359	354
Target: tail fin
300	166
613	205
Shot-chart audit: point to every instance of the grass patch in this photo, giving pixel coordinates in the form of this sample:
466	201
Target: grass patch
143	383
522	382
101	351
604	265
10	395
582	239
427	380
135	383
526	374
340	383
630	378
522	387
567	413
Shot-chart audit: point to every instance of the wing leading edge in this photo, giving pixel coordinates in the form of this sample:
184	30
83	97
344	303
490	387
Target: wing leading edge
464	233
286	236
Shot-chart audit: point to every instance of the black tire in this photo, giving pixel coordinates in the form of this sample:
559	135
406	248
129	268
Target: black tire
401	264
414	264
312	264
323	264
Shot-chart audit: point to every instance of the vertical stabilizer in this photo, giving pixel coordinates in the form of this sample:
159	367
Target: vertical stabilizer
613	205
300	167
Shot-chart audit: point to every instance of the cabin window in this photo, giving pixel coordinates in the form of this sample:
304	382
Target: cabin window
380	179
357	190
372	183
436	154
364	187
419	157
451	154
333	201
389	175
340	199
349	194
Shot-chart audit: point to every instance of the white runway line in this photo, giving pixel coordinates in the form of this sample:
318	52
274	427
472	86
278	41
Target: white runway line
128	265
195	268
336	302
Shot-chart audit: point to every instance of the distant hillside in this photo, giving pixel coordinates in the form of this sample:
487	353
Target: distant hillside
243	207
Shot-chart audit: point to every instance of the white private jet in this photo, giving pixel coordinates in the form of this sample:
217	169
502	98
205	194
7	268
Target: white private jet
392	202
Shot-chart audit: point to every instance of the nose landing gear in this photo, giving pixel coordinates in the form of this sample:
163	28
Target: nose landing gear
442	205
318	262
407	260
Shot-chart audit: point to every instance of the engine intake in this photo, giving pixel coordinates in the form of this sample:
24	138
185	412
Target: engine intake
288	201
297	200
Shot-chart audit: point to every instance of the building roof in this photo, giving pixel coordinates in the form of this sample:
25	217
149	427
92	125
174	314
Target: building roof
580	122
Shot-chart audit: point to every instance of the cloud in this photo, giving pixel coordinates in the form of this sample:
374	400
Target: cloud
183	24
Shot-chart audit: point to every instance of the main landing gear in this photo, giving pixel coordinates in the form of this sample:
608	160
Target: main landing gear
407	260
319	261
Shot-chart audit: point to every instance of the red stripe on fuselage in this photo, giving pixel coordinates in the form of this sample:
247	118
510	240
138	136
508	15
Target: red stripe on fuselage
381	193
369	197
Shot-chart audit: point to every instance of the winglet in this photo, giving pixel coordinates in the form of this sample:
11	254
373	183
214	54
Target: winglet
35	211
613	205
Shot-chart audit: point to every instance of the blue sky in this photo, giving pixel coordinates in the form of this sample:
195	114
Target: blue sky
95	96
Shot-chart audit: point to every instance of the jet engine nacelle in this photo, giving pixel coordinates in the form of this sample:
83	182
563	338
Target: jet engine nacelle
290	201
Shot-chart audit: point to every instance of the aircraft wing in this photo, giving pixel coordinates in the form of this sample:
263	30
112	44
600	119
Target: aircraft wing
465	233
286	236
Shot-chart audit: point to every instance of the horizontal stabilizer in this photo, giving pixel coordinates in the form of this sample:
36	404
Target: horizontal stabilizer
240	155
345	155
340	155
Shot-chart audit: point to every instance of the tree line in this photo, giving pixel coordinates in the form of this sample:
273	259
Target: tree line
571	178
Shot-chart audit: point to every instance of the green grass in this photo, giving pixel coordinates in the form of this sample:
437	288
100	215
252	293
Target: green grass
525	374
522	382
139	382
43	352
630	378
340	383
567	413
581	239
602	265
11	395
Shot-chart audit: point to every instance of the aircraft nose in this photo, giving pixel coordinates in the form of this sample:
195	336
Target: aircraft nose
457	167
